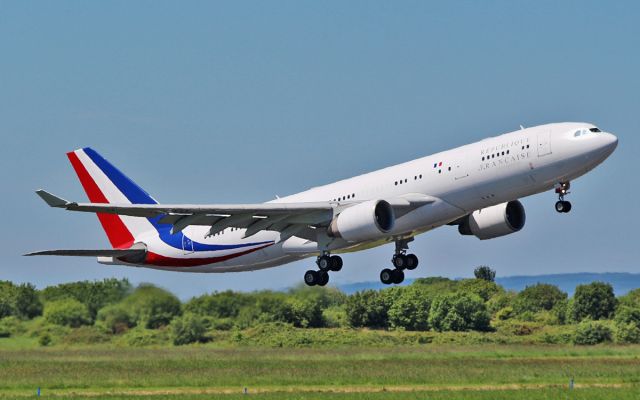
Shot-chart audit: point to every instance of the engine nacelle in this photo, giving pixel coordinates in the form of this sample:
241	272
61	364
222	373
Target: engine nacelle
495	221
371	219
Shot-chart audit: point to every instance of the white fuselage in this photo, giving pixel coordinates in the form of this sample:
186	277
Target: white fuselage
467	178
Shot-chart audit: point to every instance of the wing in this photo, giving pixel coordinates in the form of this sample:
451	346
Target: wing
290	219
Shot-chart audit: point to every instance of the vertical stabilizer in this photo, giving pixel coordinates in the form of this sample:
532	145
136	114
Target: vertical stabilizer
104	183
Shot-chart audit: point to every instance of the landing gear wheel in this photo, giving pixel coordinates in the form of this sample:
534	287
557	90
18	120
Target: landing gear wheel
399	261
386	276
324	263
412	261
323	278
336	263
398	276
563	206
567	207
311	277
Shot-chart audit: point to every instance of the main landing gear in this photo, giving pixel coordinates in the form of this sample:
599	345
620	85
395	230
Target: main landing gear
401	261
563	206
325	263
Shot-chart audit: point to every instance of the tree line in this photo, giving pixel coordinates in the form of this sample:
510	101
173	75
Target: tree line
114	307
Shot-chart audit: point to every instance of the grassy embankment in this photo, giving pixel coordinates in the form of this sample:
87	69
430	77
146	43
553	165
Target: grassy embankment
353	372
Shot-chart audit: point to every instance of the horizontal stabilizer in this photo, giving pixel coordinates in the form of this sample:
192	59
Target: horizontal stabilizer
118	253
51	199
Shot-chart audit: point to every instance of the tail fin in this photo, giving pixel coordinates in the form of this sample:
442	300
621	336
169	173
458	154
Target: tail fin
104	183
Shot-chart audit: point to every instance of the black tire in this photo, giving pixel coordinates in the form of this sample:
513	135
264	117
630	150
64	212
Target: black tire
399	261
311	277
324	263
386	276
323	278
412	262
336	263
560	206
567	206
398	276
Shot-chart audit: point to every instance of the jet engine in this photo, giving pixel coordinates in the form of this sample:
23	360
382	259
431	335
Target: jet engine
495	221
371	219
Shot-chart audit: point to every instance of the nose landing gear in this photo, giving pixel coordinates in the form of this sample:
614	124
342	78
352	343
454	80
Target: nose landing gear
325	263
401	261
563	206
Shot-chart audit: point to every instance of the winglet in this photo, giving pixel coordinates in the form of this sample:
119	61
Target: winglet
51	199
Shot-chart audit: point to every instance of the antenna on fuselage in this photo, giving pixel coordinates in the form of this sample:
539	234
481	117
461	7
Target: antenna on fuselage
521	127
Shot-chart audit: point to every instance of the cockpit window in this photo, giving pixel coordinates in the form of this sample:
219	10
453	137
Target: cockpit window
595	130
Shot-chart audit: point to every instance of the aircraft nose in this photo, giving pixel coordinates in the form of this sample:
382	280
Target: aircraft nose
611	142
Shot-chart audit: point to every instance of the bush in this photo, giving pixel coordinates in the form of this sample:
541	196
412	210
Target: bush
94	295
459	312
594	301
188	328
10	326
505	314
627	333
538	297
85	335
21	301
628	315
115	318
335	317
591	332
480	287
67	312
410	310
44	339
485	273
151	307
367	309
141	337
500	301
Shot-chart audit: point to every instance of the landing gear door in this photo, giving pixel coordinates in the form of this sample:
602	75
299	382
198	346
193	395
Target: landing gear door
544	143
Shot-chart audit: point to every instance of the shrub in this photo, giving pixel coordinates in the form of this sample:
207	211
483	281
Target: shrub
485	273
500	301
67	312
627	333
591	332
538	297
44	339
188	328
21	301
115	318
94	295
480	287
505	314
594	301
367	309
85	335
410	310
335	317
141	337
151	307
11	326
458	312
628	315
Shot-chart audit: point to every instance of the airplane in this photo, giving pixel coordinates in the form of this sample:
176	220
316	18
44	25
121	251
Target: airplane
475	187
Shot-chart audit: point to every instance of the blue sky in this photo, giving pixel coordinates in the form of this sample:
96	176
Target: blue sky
241	101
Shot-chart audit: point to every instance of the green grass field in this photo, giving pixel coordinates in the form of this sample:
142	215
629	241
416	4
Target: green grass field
405	372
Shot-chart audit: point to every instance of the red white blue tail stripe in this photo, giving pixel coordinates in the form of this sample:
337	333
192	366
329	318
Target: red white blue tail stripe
104	183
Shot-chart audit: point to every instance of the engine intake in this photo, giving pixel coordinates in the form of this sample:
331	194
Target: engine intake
495	221
371	219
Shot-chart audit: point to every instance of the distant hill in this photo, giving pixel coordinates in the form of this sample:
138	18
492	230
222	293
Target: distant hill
622	282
